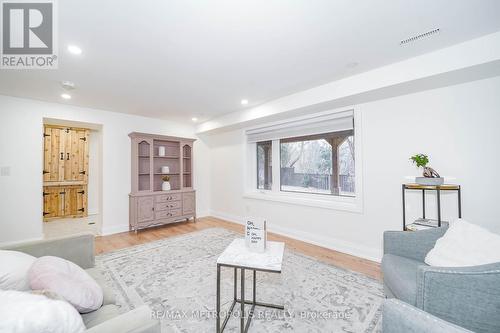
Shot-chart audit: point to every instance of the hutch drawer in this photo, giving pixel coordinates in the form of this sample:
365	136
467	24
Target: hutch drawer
165	214
168	197
167	205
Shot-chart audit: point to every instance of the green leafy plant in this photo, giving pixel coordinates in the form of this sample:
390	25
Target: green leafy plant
420	160
165	178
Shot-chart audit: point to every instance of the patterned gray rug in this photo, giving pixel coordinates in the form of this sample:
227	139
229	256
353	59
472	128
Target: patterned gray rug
176	277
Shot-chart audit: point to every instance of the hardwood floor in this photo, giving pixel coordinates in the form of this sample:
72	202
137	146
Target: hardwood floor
122	240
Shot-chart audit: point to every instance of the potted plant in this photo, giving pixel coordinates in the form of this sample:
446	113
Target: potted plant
166	183
430	176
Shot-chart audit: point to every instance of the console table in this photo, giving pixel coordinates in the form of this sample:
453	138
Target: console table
438	189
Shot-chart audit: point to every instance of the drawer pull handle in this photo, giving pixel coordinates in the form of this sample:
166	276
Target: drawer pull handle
67	156
62	156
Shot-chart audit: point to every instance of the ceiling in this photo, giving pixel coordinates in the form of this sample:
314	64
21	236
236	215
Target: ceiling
178	59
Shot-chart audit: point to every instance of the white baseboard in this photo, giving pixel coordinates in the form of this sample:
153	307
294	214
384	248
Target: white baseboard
202	214
115	229
327	242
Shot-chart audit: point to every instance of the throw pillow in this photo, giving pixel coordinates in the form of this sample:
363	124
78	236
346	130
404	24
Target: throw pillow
465	244
14	270
67	280
22	312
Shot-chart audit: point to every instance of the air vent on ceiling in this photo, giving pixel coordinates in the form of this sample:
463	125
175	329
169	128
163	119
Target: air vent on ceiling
418	37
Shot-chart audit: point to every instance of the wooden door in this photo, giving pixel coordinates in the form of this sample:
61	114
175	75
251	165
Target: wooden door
75	201
75	153
188	203
145	209
53	159
66	154
53	202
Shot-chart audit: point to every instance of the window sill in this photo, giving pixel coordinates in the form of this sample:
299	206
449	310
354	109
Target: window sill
349	204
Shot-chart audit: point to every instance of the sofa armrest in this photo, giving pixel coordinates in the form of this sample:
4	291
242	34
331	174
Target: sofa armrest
412	244
466	296
78	249
398	317
139	320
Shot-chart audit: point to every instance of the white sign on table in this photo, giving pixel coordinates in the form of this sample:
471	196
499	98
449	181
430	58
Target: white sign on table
256	234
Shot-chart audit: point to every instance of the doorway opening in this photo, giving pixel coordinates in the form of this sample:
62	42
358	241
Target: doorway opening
72	178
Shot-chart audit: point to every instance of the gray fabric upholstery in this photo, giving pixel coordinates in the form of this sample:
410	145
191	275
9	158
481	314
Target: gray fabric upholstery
399	317
78	249
465	296
104	313
136	321
108	294
399	277
412	244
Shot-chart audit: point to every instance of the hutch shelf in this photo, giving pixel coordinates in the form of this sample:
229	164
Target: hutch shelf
149	204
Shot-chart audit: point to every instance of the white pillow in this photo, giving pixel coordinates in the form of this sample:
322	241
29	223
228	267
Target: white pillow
68	280
22	312
14	267
465	244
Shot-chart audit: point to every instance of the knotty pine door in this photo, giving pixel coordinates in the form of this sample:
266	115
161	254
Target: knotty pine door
65	171
66	154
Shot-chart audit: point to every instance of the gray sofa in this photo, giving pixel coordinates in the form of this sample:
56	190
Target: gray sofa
80	250
461	297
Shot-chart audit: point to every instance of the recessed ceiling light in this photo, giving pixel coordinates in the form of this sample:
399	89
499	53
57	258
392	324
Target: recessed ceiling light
194	119
352	64
244	101
74	49
66	96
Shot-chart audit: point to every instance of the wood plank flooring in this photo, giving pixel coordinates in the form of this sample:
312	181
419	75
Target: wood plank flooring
122	240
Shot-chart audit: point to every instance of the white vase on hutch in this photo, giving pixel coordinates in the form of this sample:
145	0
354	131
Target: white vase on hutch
165	186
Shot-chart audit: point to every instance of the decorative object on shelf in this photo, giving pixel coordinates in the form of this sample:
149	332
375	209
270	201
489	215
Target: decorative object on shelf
256	234
166	183
430	176
161	151
165	169
424	222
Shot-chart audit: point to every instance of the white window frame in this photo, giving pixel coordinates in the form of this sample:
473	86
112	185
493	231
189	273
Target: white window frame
344	203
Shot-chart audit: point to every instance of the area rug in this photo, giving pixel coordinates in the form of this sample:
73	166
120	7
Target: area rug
176	277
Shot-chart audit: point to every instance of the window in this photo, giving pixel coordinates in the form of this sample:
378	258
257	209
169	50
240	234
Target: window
308	160
264	165
321	164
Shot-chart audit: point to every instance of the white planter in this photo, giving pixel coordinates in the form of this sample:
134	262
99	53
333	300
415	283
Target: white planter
165	186
161	151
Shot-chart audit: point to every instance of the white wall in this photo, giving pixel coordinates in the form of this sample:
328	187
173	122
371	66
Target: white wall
21	128
94	178
456	126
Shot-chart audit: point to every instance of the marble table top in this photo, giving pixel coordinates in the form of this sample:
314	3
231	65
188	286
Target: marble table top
237	254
